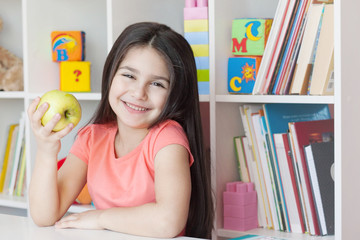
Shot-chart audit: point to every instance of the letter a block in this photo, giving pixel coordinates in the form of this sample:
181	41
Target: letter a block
240	206
249	36
242	72
75	76
68	46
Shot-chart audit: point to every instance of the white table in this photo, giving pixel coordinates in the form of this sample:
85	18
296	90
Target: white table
23	228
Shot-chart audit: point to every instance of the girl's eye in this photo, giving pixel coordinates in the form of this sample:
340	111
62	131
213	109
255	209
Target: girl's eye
128	75
158	84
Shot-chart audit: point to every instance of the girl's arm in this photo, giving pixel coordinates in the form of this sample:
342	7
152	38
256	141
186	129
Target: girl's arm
46	205
165	218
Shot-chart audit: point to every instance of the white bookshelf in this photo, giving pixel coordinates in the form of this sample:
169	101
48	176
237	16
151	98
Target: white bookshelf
26	32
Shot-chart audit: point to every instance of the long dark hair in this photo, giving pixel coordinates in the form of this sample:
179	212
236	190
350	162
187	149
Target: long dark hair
182	106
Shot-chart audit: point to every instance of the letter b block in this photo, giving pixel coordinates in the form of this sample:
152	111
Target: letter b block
68	46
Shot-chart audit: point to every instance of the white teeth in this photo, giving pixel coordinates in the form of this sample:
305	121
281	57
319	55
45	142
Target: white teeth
136	108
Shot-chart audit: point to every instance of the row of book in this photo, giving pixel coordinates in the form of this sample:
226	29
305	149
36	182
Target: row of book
288	153
13	165
299	55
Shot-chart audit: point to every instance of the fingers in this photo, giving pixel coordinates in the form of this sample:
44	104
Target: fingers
67	222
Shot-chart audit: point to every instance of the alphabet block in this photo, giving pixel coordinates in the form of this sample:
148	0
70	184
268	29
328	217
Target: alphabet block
242	72
249	36
75	76
68	46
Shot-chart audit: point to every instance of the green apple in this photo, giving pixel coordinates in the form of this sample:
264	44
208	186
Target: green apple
65	104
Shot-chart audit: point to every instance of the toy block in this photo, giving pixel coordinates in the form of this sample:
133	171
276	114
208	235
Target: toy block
239	193
240	211
242	72
202	3
204	88
190	3
197	25
197	37
200	50
68	46
202	75
240	224
191	13
75	76
202	62
249	36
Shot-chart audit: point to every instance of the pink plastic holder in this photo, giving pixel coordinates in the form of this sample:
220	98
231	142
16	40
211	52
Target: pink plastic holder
240	211
240	206
240	224
191	13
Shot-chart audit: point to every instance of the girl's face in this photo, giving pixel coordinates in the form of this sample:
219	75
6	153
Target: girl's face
140	87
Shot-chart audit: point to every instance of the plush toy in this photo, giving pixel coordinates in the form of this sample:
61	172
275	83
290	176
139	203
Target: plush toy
11	70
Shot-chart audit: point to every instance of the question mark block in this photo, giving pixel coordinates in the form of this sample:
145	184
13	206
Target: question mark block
242	72
75	76
250	35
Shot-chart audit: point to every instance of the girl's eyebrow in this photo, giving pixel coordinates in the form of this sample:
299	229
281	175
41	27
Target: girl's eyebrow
137	71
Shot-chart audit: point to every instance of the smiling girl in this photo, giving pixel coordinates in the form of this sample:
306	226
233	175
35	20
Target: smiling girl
142	152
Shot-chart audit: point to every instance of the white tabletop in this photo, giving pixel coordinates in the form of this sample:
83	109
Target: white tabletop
23	228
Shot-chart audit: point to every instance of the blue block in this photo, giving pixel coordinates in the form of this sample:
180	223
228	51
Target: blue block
197	37
202	62
242	73
204	88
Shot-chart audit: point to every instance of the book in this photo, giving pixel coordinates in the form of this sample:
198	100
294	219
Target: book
241	159
303	66
17	155
19	187
8	153
287	174
304	133
320	163
257	237
264	209
270	48
260	138
322	79
278	116
290	45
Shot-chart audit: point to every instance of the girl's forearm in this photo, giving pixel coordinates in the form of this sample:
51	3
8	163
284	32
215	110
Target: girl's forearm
43	191
152	220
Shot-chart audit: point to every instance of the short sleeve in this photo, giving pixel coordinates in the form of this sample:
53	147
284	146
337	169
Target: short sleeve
81	146
171	133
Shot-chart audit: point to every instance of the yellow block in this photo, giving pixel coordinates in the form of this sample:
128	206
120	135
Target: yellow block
75	76
198	25
200	50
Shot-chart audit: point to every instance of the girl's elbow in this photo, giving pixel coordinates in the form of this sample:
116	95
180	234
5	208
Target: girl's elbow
171	227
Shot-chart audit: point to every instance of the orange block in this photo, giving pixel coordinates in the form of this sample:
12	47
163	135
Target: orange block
68	46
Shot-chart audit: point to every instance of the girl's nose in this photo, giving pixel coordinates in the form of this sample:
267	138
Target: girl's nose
139	91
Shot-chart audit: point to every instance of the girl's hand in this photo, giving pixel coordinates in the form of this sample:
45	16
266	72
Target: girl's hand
84	220
47	140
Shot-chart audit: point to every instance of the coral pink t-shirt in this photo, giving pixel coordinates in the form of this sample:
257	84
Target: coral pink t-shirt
129	180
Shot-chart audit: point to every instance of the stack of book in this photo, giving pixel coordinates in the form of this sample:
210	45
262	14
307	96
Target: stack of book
288	153
12	176
299	55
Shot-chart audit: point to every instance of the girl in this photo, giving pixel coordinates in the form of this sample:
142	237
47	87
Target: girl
142	152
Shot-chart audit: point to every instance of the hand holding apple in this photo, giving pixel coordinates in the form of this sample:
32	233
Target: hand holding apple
63	103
